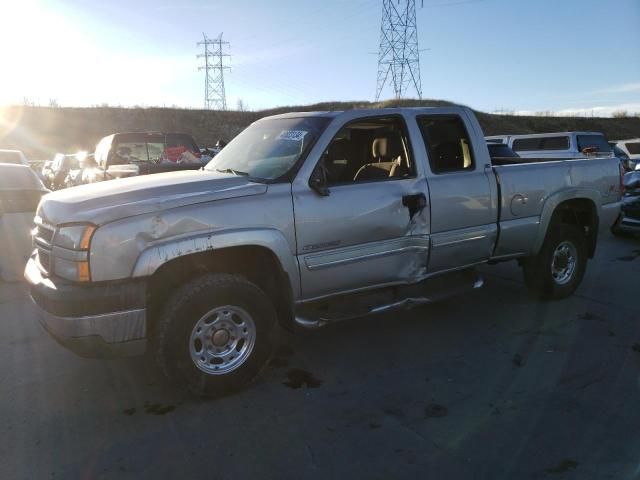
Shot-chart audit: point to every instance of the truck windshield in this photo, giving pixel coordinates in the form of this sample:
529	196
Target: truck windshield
270	148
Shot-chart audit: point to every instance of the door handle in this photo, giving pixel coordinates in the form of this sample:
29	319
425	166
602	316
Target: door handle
415	203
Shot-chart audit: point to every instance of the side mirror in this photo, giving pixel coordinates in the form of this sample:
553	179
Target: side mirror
318	181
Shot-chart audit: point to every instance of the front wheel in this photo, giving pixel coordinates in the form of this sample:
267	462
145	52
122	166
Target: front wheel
557	270
215	334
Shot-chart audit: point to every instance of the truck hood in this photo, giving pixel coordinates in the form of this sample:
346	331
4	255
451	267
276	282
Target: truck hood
103	202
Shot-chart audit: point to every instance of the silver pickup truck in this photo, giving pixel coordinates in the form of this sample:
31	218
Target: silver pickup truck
302	220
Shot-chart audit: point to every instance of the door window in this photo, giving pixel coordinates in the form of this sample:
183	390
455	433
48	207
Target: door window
447	143
369	150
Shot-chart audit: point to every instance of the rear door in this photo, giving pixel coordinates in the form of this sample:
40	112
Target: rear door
462	193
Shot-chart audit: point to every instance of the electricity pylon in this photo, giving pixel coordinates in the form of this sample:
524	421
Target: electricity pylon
399	56
214	94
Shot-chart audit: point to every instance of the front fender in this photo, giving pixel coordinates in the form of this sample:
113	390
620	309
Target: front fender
551	203
157	255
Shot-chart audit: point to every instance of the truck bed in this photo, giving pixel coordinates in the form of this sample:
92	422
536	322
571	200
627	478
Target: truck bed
524	195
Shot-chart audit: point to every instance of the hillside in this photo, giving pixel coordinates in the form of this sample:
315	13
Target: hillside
43	131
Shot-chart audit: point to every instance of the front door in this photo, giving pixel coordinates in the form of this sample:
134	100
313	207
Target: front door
372	227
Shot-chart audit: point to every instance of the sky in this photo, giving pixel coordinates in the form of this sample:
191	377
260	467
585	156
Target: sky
563	56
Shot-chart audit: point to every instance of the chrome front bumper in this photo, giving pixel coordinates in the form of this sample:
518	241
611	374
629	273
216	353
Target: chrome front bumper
111	335
96	334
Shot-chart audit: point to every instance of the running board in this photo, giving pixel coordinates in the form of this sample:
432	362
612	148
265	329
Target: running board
432	290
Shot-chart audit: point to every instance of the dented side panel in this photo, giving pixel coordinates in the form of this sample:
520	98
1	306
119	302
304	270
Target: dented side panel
360	236
136	246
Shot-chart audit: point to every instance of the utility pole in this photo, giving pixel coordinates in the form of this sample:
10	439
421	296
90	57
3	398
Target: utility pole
215	97
399	56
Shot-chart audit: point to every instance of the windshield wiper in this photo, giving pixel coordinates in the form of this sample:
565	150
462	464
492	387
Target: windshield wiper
230	170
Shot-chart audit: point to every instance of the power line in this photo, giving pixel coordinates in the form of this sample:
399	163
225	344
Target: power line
215	97
398	55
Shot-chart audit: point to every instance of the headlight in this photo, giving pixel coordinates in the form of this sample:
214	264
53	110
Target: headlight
70	253
74	237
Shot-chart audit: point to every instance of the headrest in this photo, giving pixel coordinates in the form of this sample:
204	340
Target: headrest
380	147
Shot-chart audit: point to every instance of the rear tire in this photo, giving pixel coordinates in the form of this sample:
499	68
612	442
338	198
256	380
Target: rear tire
557	270
215	334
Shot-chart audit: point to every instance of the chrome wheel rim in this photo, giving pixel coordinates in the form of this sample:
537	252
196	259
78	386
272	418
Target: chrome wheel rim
222	340
563	262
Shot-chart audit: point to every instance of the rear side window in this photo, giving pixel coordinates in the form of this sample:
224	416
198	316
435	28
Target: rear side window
593	141
10	157
541	143
633	147
180	148
526	144
447	142
177	140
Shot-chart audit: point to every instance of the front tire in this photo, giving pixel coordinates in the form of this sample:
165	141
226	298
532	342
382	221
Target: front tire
557	270
215	334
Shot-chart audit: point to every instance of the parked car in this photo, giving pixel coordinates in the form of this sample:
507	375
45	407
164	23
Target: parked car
305	219
630	148
130	154
20	192
15	157
80	175
629	220
627	164
555	146
61	165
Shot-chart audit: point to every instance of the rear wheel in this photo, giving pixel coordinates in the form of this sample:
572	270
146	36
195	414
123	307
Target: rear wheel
557	270
215	334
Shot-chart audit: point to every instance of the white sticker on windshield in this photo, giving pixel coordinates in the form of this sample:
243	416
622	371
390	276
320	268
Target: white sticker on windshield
294	135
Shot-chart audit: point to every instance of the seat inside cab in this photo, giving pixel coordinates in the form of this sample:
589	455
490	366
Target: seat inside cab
369	150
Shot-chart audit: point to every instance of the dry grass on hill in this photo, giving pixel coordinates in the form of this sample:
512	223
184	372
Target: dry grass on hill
43	131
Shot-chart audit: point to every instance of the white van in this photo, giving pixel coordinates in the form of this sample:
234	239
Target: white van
561	145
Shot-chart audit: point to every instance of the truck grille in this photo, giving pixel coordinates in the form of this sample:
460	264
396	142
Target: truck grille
44	233
42	240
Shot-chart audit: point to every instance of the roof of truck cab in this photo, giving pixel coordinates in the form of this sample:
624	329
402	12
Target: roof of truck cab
330	114
367	111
